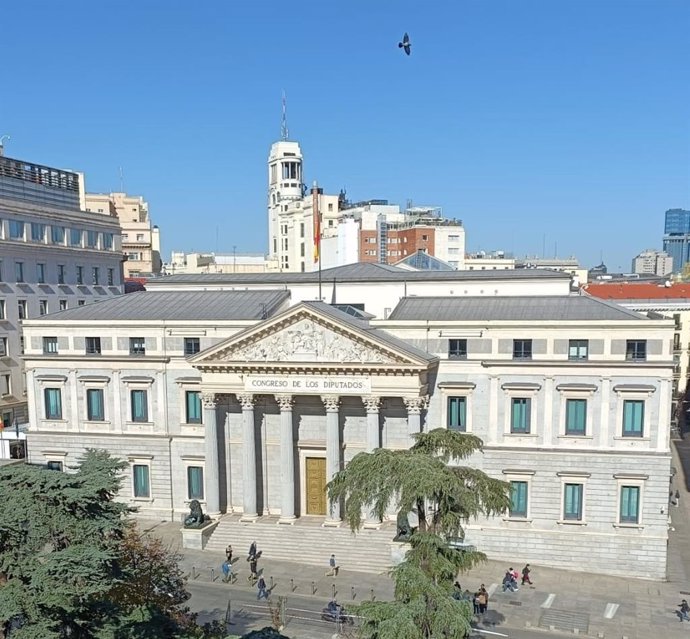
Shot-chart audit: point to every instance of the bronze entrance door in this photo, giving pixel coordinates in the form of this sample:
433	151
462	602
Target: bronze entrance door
316	485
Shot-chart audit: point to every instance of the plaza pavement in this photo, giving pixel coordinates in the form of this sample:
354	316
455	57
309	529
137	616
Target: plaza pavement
568	602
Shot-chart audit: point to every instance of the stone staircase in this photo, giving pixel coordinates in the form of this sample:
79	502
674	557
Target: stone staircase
308	541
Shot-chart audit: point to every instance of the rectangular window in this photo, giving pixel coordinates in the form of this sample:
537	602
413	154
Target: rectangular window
578	349
457	349
630	505
57	234
81	302
61	273
93	345
633	417
140	481
52	403
107	241
5	385
636	350
518	499
520	415
50	345
21	309
457	413
19	271
140	411
63	305
91	239
572	502
42	307
95	275
522	349
75	237
80	274
38	232
2	309
41	273
3	347
94	405
111	276
193	407
140	237
137	346
191	345
54	465
575	416
195	482
16	230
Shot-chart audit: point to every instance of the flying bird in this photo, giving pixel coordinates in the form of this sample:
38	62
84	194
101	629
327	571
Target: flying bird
405	44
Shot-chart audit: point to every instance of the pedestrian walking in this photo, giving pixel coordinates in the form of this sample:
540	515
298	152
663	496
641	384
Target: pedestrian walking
228	554
509	581
227	572
253	574
263	591
483	600
252	551
684	610
333	567
525	575
475	602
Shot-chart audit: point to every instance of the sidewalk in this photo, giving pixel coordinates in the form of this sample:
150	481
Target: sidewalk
567	601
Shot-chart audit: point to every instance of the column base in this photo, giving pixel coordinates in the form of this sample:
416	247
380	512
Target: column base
287	521
372	525
249	518
332	523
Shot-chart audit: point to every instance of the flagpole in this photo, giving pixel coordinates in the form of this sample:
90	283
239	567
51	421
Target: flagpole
317	229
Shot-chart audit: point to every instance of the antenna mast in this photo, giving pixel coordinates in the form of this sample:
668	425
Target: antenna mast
284	134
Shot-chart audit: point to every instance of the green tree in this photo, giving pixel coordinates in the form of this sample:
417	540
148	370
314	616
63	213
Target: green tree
429	481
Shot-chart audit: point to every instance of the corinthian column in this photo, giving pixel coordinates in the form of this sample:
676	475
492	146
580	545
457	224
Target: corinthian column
414	407
287	460
331	402
372	405
248	458
211	465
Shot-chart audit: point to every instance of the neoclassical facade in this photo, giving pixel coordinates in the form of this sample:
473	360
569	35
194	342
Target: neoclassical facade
250	400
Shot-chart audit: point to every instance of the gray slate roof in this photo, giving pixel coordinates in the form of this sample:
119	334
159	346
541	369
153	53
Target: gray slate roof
529	308
179	305
359	272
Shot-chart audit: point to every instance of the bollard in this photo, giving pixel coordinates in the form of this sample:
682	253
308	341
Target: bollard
372	595
213	575
334	591
292	585
271	578
194	575
353	592
313	588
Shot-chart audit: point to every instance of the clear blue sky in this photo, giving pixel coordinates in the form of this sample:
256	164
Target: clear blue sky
538	122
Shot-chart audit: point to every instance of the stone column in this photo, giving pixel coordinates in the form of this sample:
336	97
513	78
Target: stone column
287	460
248	457
372	404
211	475
331	402
414	407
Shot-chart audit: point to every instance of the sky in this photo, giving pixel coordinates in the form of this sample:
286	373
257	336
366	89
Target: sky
547	126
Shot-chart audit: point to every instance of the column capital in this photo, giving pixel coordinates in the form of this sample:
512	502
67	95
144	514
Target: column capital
415	405
372	403
285	401
209	400
331	402
246	400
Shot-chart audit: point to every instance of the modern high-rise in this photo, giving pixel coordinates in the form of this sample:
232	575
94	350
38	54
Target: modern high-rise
53	256
677	237
141	242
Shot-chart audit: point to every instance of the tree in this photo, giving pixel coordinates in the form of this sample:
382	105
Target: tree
443	496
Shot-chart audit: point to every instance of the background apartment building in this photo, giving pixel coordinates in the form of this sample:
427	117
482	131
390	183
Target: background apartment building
53	256
651	262
140	239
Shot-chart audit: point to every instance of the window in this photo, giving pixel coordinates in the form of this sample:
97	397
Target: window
2	309
636	350
630	505
21	309
41	273
139	401
633	417
575	416
520	415
140	237
192	407
53	403
54	465
61	273
93	345
457	349
57	234
522	349
301	229
19	271
38	232
63	305
5	385
578	349
111	276
3	347
95	275
91	239
107	241
80	274
425	238
81	302
518	499
140	481
191	345
572	502
42	307
457	414
75	237
94	405
137	346
16	230
50	345
195	482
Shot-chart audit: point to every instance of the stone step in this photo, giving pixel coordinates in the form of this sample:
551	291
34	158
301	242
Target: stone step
368	550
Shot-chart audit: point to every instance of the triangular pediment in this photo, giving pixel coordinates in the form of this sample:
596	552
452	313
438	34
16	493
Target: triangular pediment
304	336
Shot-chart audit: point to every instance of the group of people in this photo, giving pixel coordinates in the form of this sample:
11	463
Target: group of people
253	577
510	579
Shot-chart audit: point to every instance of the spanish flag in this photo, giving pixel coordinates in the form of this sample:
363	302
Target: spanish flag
317	222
